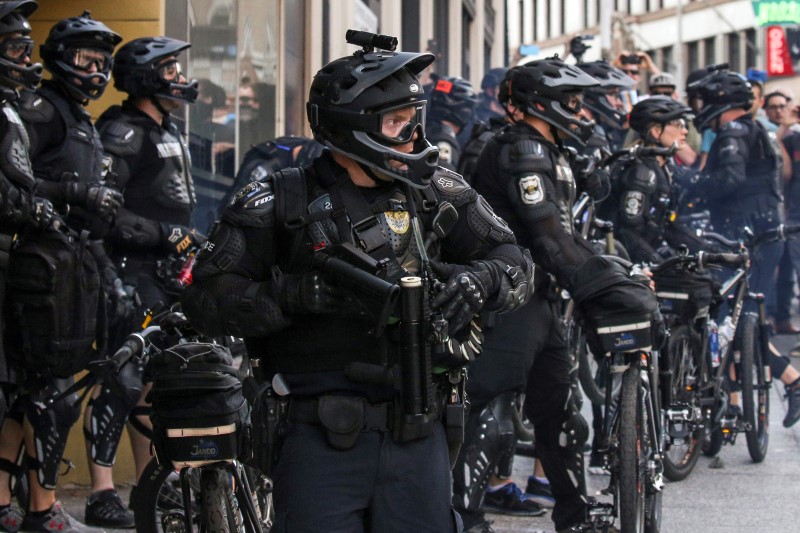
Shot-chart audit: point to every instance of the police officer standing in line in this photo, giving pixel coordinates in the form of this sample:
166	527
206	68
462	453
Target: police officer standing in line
150	161
605	102
44	513
347	436
742	188
68	164
525	174
452	107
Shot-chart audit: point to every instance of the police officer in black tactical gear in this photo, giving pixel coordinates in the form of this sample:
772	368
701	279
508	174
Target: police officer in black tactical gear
741	186
271	156
645	215
357	430
525	173
68	165
151	235
452	107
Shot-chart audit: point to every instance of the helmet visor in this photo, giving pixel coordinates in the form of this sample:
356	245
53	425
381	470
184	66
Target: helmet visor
573	101
399	124
16	49
86	58
171	71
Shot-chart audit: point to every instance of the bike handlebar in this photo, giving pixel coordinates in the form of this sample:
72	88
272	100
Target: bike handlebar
640	151
702	260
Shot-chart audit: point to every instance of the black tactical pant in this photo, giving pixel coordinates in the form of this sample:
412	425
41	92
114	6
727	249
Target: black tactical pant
377	485
548	406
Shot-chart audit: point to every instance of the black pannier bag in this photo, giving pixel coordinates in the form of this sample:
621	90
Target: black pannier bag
685	294
200	415
55	323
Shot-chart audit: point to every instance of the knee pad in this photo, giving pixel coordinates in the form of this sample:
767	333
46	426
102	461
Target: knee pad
489	434
573	435
50	431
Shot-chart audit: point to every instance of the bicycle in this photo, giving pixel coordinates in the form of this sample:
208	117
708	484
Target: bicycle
631	440
199	483
685	292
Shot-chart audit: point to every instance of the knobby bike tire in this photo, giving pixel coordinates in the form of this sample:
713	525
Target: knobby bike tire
631	486
219	512
755	395
680	460
158	493
523	428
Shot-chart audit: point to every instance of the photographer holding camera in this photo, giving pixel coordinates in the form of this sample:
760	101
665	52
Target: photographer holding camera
634	63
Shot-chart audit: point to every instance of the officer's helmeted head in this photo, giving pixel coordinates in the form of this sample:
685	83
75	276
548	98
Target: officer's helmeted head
721	91
659	119
606	101
148	67
16	47
452	99
552	91
367	105
78	53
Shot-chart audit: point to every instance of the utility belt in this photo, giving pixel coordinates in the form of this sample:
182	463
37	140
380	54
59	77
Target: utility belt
345	417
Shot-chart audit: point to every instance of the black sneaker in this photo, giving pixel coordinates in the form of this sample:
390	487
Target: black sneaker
793	411
509	500
539	492
56	520
11	518
105	509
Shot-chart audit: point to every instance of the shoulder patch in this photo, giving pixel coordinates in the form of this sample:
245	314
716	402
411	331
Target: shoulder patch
634	203
445	152
531	189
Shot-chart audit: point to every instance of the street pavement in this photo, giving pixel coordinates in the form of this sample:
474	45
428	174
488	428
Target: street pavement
739	497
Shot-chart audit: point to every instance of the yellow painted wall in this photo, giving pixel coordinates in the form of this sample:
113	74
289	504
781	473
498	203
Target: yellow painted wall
131	20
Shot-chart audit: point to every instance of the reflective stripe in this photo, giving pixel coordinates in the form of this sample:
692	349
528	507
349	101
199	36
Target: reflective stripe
201	432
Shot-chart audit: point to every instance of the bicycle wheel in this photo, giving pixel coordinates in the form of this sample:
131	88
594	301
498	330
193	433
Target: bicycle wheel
157	501
632	460
680	459
523	428
712	443
755	394
219	510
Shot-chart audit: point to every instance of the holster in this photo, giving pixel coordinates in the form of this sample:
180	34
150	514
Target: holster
268	423
343	417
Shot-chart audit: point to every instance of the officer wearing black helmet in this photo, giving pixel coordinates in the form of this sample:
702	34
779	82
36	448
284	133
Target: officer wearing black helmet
488	104
452	108
609	111
741	186
149	159
69	165
525	174
643	221
354	456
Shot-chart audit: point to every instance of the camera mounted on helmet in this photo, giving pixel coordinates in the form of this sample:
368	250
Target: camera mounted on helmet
366	106
16	68
78	52
553	91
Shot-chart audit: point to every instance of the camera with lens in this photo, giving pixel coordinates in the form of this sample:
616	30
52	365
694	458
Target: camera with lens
578	46
631	59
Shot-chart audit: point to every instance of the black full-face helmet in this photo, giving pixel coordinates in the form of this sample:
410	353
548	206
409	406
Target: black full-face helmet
656	110
611	79
73	47
720	91
452	99
352	99
557	87
14	71
149	67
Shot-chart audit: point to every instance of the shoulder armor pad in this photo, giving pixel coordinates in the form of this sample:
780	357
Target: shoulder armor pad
733	129
34	107
253	205
120	138
452	187
641	177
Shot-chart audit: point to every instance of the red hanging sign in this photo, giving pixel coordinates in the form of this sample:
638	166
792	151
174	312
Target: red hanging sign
779	62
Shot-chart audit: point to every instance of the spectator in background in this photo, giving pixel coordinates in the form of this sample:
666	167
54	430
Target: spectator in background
488	105
634	63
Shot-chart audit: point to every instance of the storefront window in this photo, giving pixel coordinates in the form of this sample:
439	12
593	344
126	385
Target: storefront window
234	56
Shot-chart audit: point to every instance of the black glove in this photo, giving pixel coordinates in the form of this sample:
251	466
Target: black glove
180	239
308	293
94	197
464	294
41	213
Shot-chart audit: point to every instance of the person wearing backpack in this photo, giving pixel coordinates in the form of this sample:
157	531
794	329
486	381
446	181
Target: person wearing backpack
152	234
377	446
